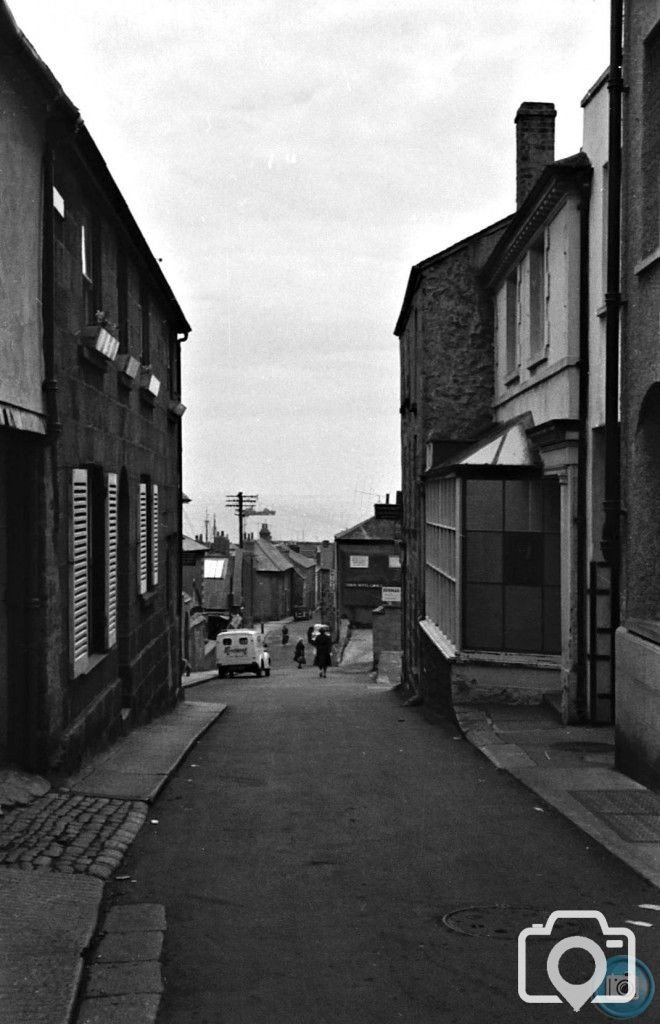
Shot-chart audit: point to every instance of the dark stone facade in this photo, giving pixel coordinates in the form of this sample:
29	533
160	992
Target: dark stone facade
111	332
638	638
446	350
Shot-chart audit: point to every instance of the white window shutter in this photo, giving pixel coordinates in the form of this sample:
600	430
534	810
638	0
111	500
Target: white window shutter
154	535
79	595
143	582
111	506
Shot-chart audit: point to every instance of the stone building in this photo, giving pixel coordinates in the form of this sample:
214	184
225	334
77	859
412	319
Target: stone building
90	635
369	563
446	356
638	637
511	521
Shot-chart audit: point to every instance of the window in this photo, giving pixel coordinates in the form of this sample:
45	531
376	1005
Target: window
58	202
512	565
440	586
122	299
511	325
359	561
145	326
93	564
537	297
394	561
651	142
90	265
148	536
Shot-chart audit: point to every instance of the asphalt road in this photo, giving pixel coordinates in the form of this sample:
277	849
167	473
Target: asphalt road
310	846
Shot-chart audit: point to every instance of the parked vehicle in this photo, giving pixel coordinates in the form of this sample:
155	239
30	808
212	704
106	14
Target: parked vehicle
241	650
300	612
319	627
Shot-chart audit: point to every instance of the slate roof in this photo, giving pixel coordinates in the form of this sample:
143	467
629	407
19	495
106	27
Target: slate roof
189	545
300	561
268	557
374	528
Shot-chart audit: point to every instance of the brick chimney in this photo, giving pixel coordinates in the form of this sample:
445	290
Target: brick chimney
535	145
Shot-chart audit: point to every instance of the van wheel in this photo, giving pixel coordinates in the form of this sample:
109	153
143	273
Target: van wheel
221	672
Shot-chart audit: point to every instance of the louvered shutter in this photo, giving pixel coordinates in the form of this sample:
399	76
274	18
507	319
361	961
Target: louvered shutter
79	595
154	535
111	505
143	581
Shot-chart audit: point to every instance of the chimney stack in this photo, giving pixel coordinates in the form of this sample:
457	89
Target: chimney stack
535	145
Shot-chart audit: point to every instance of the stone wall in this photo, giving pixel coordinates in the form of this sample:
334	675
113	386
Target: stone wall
386	630
446	352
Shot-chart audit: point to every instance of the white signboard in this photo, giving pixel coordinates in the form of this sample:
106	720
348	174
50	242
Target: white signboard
359	561
391	595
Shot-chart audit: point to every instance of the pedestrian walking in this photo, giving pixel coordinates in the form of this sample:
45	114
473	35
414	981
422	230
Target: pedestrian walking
299	653
310	630
323	659
285	635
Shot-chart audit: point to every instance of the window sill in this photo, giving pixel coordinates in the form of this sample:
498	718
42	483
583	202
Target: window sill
147	398
147	599
531	660
175	409
127	370
512	377
648	629
93	661
648	262
94	358
536	360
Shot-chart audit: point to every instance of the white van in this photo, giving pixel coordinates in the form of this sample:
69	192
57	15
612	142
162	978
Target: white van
241	650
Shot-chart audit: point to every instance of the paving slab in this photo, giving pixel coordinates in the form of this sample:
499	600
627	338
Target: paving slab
139	1008
564	767
138	766
126	947
124	979
135	917
46	923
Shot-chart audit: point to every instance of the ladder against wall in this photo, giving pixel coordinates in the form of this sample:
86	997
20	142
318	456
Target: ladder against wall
599	653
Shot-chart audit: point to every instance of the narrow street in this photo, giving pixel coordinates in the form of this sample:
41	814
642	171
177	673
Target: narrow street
310	845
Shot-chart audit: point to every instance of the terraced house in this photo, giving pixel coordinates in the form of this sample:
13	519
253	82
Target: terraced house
90	440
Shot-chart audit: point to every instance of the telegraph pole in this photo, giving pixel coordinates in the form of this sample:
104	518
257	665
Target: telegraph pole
242	505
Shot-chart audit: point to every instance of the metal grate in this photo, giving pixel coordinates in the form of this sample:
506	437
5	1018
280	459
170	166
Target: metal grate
504	922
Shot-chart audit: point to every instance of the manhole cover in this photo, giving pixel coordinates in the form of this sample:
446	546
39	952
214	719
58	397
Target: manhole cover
584	746
505	922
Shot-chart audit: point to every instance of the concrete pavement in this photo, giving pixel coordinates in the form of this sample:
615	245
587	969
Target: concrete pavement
55	853
572	769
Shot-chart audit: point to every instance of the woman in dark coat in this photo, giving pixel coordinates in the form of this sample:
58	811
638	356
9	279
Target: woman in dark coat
323	658
299	653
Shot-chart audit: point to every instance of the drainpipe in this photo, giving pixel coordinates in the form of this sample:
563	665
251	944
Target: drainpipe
581	701
180	338
611	538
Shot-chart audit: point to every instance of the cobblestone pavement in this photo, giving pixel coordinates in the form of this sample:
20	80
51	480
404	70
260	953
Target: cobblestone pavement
70	833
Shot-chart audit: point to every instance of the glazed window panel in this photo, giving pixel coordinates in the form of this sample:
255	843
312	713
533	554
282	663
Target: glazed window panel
511	324
537	317
483	620
511	564
651	142
441	558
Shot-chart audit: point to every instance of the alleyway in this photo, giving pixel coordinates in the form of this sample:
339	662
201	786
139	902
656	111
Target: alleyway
309	847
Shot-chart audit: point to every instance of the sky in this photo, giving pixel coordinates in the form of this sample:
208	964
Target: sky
289	162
